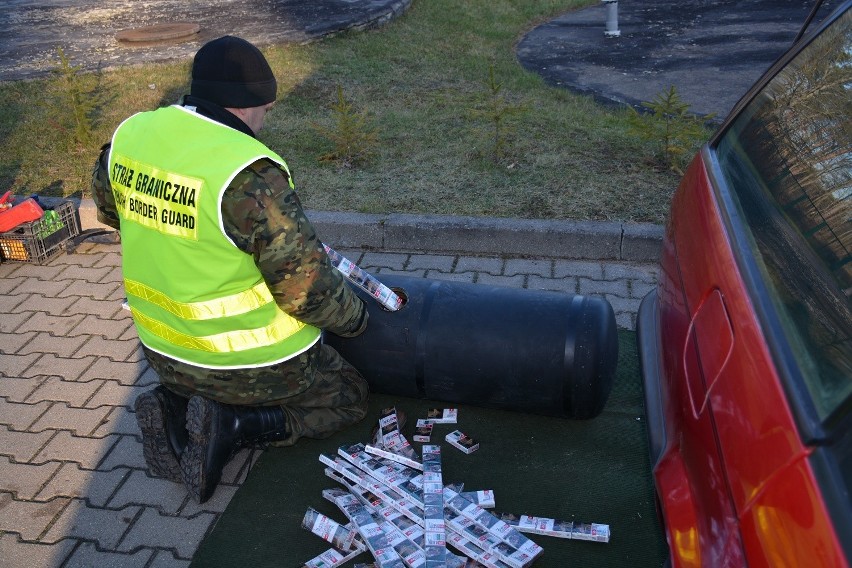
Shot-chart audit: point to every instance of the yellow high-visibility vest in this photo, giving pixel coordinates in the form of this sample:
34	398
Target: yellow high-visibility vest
194	295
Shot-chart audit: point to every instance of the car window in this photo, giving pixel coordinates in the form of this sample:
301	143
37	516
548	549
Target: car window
787	159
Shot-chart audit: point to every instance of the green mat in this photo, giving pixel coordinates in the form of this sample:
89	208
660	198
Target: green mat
592	471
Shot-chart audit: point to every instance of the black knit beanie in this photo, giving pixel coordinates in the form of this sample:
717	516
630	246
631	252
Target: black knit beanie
232	73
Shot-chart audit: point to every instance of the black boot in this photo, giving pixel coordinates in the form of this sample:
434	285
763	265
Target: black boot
216	432
161	416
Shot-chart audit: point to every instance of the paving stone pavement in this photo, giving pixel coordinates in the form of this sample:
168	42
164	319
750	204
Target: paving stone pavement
74	490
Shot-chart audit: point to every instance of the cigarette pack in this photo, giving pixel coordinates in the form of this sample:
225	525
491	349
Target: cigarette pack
396	499
335	493
401	503
456	561
328	529
394	456
560	529
460	538
409	528
470	531
435	539
356	454
375	539
464	546
488	558
442	416
338	495
342	498
590	531
388	425
455	540
389	471
484	499
401	540
410	552
462	441
453	561
384	295
485	540
521	551
341	468
423	431
414	504
367	498
349	476
477	514
370	499
389	437
330	558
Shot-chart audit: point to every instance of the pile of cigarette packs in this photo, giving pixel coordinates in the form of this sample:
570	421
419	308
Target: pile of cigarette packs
399	510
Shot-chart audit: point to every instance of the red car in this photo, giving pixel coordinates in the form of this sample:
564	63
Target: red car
746	343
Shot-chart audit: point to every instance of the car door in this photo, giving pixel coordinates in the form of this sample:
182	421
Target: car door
772	333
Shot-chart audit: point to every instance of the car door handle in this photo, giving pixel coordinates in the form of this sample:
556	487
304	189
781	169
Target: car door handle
710	337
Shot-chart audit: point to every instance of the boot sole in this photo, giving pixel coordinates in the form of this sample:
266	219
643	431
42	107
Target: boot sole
159	456
193	465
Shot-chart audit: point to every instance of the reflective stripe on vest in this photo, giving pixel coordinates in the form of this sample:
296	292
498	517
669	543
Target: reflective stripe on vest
240	340
232	305
193	294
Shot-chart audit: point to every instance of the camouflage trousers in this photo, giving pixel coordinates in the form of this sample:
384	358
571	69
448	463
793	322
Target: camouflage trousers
318	390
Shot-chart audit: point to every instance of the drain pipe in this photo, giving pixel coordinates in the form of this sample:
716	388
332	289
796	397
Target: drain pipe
611	18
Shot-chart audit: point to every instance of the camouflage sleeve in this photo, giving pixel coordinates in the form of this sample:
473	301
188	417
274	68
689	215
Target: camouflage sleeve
263	216
102	191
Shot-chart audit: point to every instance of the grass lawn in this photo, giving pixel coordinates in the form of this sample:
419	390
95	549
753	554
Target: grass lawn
422	81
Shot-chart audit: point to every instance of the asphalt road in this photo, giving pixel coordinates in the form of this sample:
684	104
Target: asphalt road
712	51
32	30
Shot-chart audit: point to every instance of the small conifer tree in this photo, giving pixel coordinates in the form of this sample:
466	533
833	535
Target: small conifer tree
495	108
676	132
353	136
79	101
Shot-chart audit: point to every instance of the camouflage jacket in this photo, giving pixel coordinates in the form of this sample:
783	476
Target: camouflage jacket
264	218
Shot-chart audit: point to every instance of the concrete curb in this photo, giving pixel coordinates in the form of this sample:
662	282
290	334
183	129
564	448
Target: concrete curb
478	236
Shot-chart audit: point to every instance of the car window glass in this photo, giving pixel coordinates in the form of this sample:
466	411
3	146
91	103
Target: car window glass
787	160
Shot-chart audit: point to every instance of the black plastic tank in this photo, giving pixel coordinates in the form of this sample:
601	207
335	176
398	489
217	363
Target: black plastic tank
533	351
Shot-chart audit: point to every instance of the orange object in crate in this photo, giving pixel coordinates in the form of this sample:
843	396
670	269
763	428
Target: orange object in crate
37	241
27	210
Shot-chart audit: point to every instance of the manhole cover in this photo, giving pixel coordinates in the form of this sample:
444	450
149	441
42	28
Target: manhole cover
158	33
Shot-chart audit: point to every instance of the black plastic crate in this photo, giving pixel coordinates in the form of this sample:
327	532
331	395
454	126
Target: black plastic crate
37	241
